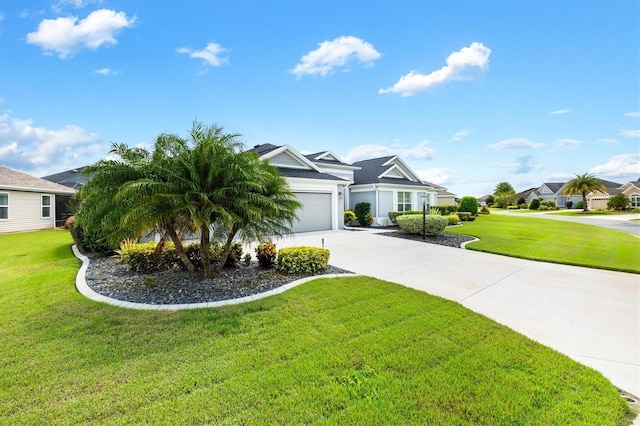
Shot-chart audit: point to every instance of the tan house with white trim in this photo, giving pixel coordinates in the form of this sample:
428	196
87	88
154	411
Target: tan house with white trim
598	200
27	203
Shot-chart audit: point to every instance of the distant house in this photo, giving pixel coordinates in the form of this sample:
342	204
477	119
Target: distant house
598	200
388	184
444	197
529	195
74	178
28	203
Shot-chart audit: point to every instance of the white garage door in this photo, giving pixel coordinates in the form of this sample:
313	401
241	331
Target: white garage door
315	213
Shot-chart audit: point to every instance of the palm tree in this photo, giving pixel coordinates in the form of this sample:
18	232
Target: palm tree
583	184
503	188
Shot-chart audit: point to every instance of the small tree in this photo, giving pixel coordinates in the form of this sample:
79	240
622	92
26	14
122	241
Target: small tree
362	211
618	202
490	200
469	204
534	204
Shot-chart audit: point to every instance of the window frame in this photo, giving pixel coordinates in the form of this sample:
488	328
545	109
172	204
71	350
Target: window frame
402	202
43	206
5	206
635	197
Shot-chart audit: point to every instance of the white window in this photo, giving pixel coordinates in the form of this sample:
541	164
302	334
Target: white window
4	206
46	206
635	200
404	201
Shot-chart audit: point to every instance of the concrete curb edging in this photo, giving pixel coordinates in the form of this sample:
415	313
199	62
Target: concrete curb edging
463	245
86	291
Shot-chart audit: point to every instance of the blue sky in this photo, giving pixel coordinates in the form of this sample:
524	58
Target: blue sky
468	93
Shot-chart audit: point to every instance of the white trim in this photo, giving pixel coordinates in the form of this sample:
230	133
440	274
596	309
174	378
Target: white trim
8	206
33	189
42	206
304	161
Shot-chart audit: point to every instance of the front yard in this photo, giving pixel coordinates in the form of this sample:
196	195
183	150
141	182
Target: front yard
333	351
554	241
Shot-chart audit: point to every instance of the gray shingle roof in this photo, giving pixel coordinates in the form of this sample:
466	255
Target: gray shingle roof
15	180
307	174
372	168
72	178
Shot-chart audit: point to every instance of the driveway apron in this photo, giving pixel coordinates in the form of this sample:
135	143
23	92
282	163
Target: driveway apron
590	315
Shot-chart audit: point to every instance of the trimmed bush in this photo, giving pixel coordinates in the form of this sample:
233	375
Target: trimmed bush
89	242
534	204
469	204
349	216
453	219
266	254
513	207
140	258
446	209
362	210
292	260
234	255
412	224
484	210
393	216
580	205
368	220
464	216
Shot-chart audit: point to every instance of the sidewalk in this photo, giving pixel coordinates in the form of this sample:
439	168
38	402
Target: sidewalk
590	315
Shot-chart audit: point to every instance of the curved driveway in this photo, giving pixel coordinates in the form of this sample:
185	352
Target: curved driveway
591	315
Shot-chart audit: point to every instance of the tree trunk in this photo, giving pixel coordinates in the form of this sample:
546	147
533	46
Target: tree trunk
225	252
160	246
180	250
584	202
205	242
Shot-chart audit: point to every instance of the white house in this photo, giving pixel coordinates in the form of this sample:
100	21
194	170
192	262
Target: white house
28	203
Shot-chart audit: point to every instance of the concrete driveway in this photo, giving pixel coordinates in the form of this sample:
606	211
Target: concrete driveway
591	315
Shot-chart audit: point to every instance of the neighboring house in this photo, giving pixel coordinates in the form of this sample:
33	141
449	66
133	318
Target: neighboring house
73	179
549	192
444	197
529	195
319	181
483	200
598	200
388	184
28	203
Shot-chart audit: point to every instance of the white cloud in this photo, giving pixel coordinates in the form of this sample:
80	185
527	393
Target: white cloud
40	151
515	143
335	54
566	143
421	151
74	4
464	64
438	175
211	54
635	114
68	35
106	71
624	167
560	111
607	141
459	135
630	133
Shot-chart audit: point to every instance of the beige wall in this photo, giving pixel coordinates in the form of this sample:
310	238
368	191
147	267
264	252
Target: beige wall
25	212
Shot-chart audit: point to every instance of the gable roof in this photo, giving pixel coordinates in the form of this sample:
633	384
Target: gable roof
389	170
554	186
14	180
72	178
329	158
441	189
525	194
290	163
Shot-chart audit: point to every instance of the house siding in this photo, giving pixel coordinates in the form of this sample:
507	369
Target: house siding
25	212
385	199
364	197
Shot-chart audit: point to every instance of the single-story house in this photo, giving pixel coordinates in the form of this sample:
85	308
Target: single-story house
388	184
529	195
598	200
28	203
319	181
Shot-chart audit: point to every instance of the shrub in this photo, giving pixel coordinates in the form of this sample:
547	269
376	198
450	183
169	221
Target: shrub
247	259
368	220
513	207
534	204
568	204
266	254
90	242
412	224
464	216
469	204
484	210
434	212
580	205
294	260
453	219
490	200
349	216
141	258
522	201
393	216
618	202
445	210
362	210
234	255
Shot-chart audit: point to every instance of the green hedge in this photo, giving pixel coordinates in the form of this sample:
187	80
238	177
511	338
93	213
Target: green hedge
294	260
412	224
453	219
139	258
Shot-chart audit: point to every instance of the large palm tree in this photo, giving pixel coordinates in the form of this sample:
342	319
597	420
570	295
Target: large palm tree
583	184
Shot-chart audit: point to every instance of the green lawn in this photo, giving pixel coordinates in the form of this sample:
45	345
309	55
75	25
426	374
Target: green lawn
554	241
332	351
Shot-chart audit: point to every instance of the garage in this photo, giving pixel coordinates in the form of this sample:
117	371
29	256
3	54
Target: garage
315	213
